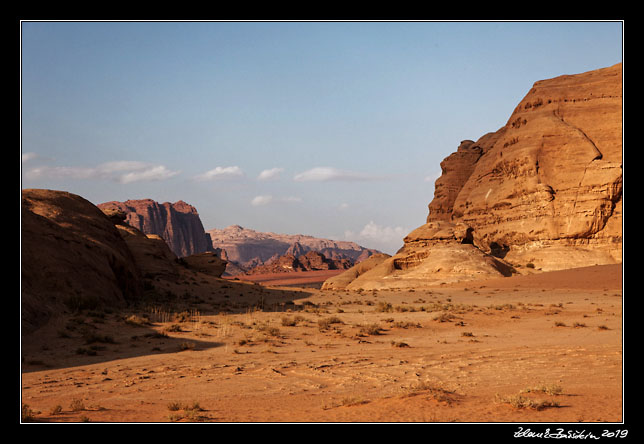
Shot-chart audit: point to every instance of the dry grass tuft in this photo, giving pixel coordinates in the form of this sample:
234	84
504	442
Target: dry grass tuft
523	402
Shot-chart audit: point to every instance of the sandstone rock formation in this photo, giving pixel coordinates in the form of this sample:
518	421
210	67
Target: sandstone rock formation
208	263
310	261
72	256
177	223
343	280
152	255
246	249
543	192
77	256
547	188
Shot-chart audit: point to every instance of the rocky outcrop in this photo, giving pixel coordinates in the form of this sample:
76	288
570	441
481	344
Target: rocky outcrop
177	223
208	263
153	256
75	256
456	170
311	261
72	256
547	188
246	249
343	280
543	192
437	252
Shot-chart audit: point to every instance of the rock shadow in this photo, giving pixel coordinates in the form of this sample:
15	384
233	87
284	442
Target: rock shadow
162	322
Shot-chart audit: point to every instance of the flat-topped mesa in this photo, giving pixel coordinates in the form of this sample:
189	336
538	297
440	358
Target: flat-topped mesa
544	191
177	223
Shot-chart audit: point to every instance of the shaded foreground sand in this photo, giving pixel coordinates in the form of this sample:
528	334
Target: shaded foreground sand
539	348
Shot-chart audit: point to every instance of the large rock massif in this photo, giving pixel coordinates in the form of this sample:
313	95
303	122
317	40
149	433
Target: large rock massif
544	192
177	223
246	249
75	255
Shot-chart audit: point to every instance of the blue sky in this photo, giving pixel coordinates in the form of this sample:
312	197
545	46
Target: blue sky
332	129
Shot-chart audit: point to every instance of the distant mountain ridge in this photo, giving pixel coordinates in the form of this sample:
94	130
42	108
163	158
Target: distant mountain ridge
311	261
245	249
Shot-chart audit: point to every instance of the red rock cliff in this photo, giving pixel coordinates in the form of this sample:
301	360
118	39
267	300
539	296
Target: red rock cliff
177	223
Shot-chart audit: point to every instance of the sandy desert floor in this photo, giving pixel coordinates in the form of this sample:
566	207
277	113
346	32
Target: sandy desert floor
539	348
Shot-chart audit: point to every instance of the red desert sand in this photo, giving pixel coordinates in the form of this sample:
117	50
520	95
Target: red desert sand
545	347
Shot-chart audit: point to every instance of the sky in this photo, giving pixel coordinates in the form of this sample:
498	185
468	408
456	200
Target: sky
333	129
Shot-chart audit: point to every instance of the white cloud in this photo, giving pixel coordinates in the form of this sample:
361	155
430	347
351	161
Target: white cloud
157	172
383	238
121	165
61	172
221	173
267	199
261	200
378	232
119	171
343	206
271	173
28	156
323	174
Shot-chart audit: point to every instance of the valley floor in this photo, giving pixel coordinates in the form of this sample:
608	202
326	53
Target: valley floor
539	348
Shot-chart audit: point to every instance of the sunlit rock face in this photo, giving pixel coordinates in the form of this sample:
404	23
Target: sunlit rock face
543	192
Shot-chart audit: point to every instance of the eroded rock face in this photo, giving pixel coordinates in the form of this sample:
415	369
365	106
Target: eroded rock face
177	223
72	256
545	191
551	182
341	281
208	263
151	253
437	252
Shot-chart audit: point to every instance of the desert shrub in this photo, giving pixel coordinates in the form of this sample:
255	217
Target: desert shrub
77	405
92	337
79	302
523	402
325	323
371	330
174	406
432	390
444	317
384	307
187	346
288	322
28	414
549	389
137	320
